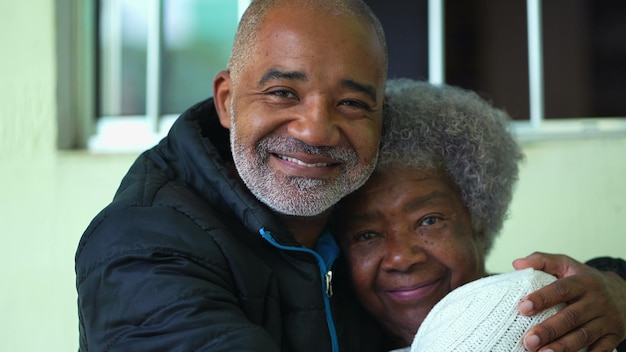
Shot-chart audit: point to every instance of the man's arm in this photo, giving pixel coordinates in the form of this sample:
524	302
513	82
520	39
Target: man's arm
595	315
149	279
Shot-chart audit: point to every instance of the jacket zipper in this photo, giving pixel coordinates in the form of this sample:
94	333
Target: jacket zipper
329	283
326	275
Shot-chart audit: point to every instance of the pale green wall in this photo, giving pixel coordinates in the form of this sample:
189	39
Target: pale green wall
570	198
46	198
27	78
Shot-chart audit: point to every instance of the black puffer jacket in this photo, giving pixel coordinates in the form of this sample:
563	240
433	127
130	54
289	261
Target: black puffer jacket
177	262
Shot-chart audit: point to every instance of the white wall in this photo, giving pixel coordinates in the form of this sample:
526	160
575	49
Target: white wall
570	197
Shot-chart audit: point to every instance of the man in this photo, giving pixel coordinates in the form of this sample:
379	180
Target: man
186	257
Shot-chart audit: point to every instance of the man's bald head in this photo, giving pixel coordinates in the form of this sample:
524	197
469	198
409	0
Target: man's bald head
251	21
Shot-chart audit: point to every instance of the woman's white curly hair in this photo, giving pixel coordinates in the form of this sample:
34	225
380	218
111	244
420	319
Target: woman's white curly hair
454	131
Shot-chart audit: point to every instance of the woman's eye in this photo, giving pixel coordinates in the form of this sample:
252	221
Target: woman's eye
430	220
366	236
356	104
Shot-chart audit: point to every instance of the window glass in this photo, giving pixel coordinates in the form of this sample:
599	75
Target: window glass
122	57
487	51
406	31
197	36
584	58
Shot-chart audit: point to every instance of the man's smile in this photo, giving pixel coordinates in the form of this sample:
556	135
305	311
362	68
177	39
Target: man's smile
302	163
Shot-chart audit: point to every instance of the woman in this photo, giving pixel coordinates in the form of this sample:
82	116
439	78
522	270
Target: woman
424	222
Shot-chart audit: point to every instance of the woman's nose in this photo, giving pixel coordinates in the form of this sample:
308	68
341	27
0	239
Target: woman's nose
403	252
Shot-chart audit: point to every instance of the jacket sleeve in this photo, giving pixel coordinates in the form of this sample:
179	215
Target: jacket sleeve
616	265
150	279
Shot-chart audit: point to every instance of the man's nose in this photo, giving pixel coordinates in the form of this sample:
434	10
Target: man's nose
402	252
316	124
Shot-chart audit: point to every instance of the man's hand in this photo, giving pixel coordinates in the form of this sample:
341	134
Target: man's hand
595	315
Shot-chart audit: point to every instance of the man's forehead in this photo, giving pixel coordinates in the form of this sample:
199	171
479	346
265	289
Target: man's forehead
297	44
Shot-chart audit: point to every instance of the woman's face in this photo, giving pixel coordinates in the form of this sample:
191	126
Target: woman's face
408	240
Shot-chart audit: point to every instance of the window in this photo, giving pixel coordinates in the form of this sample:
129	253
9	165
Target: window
143	63
131	66
155	59
556	66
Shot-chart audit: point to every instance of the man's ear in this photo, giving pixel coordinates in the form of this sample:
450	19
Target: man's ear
222	91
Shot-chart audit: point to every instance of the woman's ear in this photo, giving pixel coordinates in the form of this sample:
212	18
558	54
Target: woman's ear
222	91
481	238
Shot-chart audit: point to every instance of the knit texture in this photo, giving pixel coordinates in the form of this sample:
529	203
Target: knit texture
483	315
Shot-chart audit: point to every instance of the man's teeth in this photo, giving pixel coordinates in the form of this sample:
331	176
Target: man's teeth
300	162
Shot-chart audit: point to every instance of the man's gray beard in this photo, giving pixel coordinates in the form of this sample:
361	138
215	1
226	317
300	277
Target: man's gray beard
290	195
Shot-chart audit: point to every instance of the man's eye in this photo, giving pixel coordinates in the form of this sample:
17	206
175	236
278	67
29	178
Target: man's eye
283	93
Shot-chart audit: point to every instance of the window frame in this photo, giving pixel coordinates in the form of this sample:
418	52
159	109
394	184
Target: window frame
75	56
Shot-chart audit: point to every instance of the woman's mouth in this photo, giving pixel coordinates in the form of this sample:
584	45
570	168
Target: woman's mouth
413	292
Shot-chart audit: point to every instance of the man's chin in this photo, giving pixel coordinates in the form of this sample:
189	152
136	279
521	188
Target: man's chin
295	210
